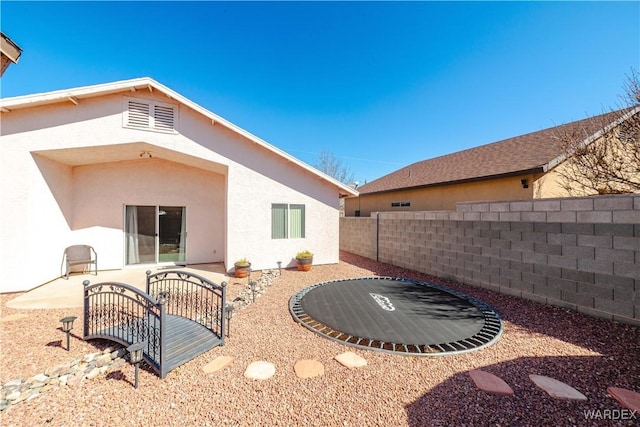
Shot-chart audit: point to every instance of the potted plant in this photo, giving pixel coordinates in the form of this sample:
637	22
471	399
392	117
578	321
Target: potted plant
304	260
242	267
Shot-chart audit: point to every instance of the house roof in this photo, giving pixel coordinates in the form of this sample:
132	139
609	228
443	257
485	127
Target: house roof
76	96
534	152
9	52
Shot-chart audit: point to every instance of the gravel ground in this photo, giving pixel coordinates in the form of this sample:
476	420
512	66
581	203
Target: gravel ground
587	353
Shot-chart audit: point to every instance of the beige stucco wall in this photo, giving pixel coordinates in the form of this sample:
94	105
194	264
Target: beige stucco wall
443	197
550	185
101	191
67	171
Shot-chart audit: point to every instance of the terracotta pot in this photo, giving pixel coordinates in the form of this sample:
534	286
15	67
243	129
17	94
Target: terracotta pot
304	264
241	270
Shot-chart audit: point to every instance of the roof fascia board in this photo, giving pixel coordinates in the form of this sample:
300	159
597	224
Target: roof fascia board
459	181
26	101
588	140
217	120
9	48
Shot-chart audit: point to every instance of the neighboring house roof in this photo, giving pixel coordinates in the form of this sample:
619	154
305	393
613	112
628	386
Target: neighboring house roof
76	95
9	52
533	152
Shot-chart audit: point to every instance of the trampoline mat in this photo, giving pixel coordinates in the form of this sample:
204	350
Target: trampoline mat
396	315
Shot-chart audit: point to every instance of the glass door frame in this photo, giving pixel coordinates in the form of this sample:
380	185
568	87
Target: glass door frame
158	211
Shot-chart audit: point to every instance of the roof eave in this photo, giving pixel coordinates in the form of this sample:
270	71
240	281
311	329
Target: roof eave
73	95
593	137
536	169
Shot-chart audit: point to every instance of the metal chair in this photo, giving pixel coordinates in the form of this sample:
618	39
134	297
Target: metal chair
79	255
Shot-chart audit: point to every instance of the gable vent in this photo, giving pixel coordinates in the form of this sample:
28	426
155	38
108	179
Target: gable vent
163	117
141	114
138	114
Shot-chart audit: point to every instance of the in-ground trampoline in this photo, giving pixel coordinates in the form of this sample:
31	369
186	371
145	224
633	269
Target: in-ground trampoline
395	315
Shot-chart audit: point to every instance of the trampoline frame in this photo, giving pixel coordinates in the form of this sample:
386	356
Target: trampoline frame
488	334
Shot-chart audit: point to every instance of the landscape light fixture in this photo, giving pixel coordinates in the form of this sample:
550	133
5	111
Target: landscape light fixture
135	357
67	326
229	314
252	285
280	267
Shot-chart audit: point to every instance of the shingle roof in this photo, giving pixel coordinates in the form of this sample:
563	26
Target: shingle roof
521	154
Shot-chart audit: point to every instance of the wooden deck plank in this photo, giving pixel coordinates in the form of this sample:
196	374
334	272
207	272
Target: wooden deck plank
184	340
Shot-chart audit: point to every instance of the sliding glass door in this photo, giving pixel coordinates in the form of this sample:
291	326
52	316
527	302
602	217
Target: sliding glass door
171	234
155	234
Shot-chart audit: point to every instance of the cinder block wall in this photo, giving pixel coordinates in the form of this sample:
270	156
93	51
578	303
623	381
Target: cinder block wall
578	253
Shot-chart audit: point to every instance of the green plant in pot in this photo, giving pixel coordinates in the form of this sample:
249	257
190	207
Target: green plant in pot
304	260
242	267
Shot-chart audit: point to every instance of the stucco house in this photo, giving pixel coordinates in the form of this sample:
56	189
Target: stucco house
519	168
146	176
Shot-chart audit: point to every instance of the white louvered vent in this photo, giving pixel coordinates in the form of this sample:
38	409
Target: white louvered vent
138	114
163	117
142	114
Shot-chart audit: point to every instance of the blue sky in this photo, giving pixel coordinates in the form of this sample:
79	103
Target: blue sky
379	84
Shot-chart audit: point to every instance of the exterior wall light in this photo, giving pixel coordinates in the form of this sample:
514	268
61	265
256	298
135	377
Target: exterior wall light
525	183
67	326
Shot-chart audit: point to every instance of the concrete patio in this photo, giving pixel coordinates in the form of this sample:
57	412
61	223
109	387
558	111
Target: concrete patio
61	293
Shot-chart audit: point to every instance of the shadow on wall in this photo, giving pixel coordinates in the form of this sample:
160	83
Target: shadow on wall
59	179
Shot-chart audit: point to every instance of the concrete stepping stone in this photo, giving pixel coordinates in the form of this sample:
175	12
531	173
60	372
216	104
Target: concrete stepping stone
627	398
260	370
490	383
218	364
556	388
308	368
13	317
350	360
